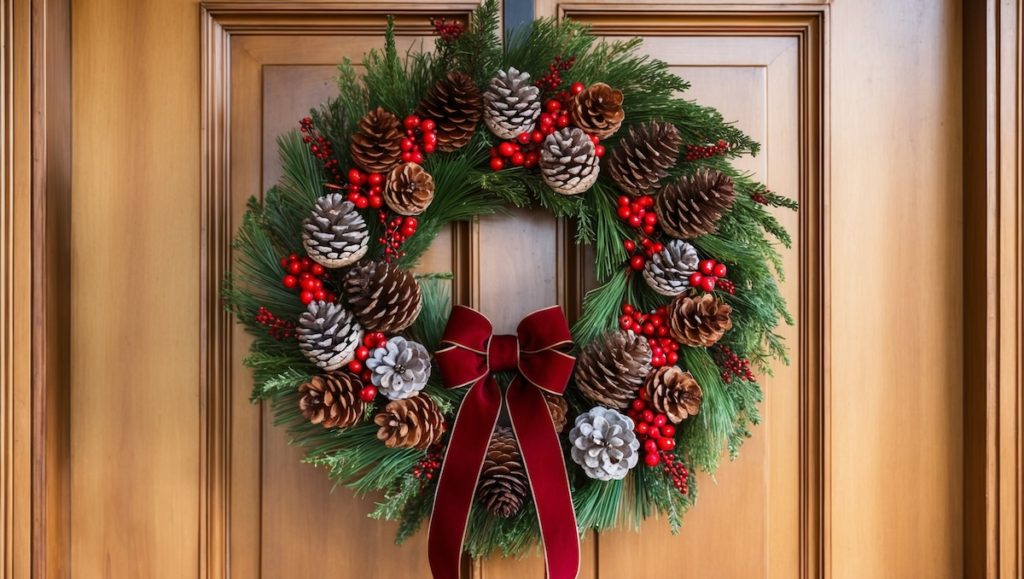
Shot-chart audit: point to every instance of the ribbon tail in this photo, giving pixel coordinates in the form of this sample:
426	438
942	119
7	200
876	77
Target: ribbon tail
545	467
467	448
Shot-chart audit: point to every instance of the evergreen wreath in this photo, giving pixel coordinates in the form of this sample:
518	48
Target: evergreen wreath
592	131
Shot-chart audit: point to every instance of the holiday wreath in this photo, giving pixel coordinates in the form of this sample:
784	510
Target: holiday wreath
387	385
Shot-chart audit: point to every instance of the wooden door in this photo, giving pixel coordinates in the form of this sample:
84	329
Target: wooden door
176	106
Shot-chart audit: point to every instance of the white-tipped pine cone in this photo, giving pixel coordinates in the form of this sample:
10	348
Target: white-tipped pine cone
568	161
604	444
399	369
328	335
668	271
335	235
511	104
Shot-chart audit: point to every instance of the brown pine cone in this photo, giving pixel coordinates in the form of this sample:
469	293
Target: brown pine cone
503	486
383	297
673	393
643	158
699	321
377	146
409	189
454	104
332	400
598	110
612	368
558	408
410	423
692	206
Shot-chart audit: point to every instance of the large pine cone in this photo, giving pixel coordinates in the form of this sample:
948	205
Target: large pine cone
503	486
409	189
511	104
332	400
568	161
383	297
328	335
674	393
699	321
377	146
410	423
612	368
334	234
558	408
643	158
692	206
668	271
598	110
454	104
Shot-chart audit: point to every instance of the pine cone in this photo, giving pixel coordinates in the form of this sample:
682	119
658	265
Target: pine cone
335	235
673	393
558	408
511	104
332	400
454	104
603	444
699	321
643	158
692	206
383	297
400	369
503	486
668	271
568	161
409	189
410	423
598	110
612	368
328	335
377	146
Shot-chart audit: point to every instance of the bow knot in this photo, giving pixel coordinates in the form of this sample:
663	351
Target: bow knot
503	353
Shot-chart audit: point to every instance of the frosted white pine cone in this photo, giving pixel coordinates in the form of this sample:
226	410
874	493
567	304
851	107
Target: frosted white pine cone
668	271
328	335
399	369
604	444
511	104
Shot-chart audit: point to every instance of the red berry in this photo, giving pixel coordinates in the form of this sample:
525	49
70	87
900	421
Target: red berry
536	136
376	201
369	340
577	88
695	279
651	445
497	164
428	125
707	284
635	220
629	244
623	212
648	416
362	353
627	309
362	202
290	281
506	149
523	138
552	106
417	157
320	295
518	158
429	147
295	268
642	428
668	431
308	284
306	297
660	420
672	358
368	393
411	122
546	120
562	122
665	443
355	177
720	270
651	458
355	366
636	262
599	150
638	404
707	266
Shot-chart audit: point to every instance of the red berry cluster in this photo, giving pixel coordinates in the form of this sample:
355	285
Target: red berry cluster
708	275
676	471
734	366
371	340
397	230
696	152
428	467
277	328
648	247
420	138
637	212
448	31
664	350
515	154
321	149
653	429
553	79
306	276
726	286
524	150
759	198
364	189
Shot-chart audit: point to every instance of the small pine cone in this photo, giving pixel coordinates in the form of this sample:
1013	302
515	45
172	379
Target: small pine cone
612	368
568	161
332	400
409	190
410	423
454	104
598	110
335	234
511	104
383	297
674	393
328	335
377	146
603	443
692	206
643	158
699	321
400	368
503	486
668	271
558	408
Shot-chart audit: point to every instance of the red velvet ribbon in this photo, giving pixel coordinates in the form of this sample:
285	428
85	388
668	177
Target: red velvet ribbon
470	355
